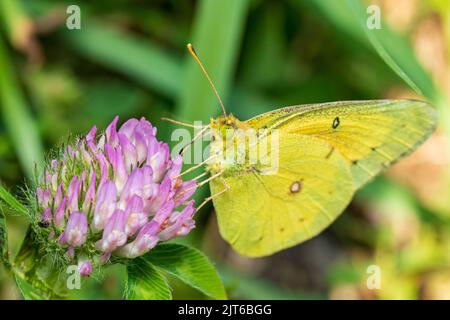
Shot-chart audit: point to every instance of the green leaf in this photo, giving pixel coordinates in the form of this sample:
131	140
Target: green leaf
3	240
145	282
11	201
189	265
27	290
36	274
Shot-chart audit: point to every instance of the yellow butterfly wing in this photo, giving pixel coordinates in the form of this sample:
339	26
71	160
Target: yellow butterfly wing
371	135
262	214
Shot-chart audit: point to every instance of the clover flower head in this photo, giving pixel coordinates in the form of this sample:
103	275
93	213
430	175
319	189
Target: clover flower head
116	194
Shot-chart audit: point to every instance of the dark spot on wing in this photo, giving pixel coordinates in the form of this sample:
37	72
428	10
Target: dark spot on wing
281	229
336	122
329	153
295	187
354	162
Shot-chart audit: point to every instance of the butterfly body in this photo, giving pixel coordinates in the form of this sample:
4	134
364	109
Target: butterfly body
316	157
220	127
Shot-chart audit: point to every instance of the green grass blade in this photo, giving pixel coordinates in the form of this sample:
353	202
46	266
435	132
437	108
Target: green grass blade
216	37
397	53
12	202
16	116
15	22
337	13
136	58
350	17
4	257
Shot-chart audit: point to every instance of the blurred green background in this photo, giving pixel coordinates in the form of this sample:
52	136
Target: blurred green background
129	58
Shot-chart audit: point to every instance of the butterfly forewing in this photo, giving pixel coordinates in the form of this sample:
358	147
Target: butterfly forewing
371	135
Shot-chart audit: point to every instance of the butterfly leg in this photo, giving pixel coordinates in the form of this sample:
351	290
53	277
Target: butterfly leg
210	178
211	197
197	165
198	185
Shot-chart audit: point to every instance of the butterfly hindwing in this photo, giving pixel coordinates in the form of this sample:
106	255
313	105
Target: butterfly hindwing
263	213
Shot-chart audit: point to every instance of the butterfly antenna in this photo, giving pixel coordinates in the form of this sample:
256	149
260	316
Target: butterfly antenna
198	135
192	52
180	123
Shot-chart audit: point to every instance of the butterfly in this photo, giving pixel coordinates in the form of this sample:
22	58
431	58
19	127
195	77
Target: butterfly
325	153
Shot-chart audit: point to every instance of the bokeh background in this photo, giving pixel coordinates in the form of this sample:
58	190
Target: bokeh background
129	58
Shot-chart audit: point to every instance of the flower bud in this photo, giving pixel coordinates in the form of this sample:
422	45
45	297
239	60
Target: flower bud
85	268
75	232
